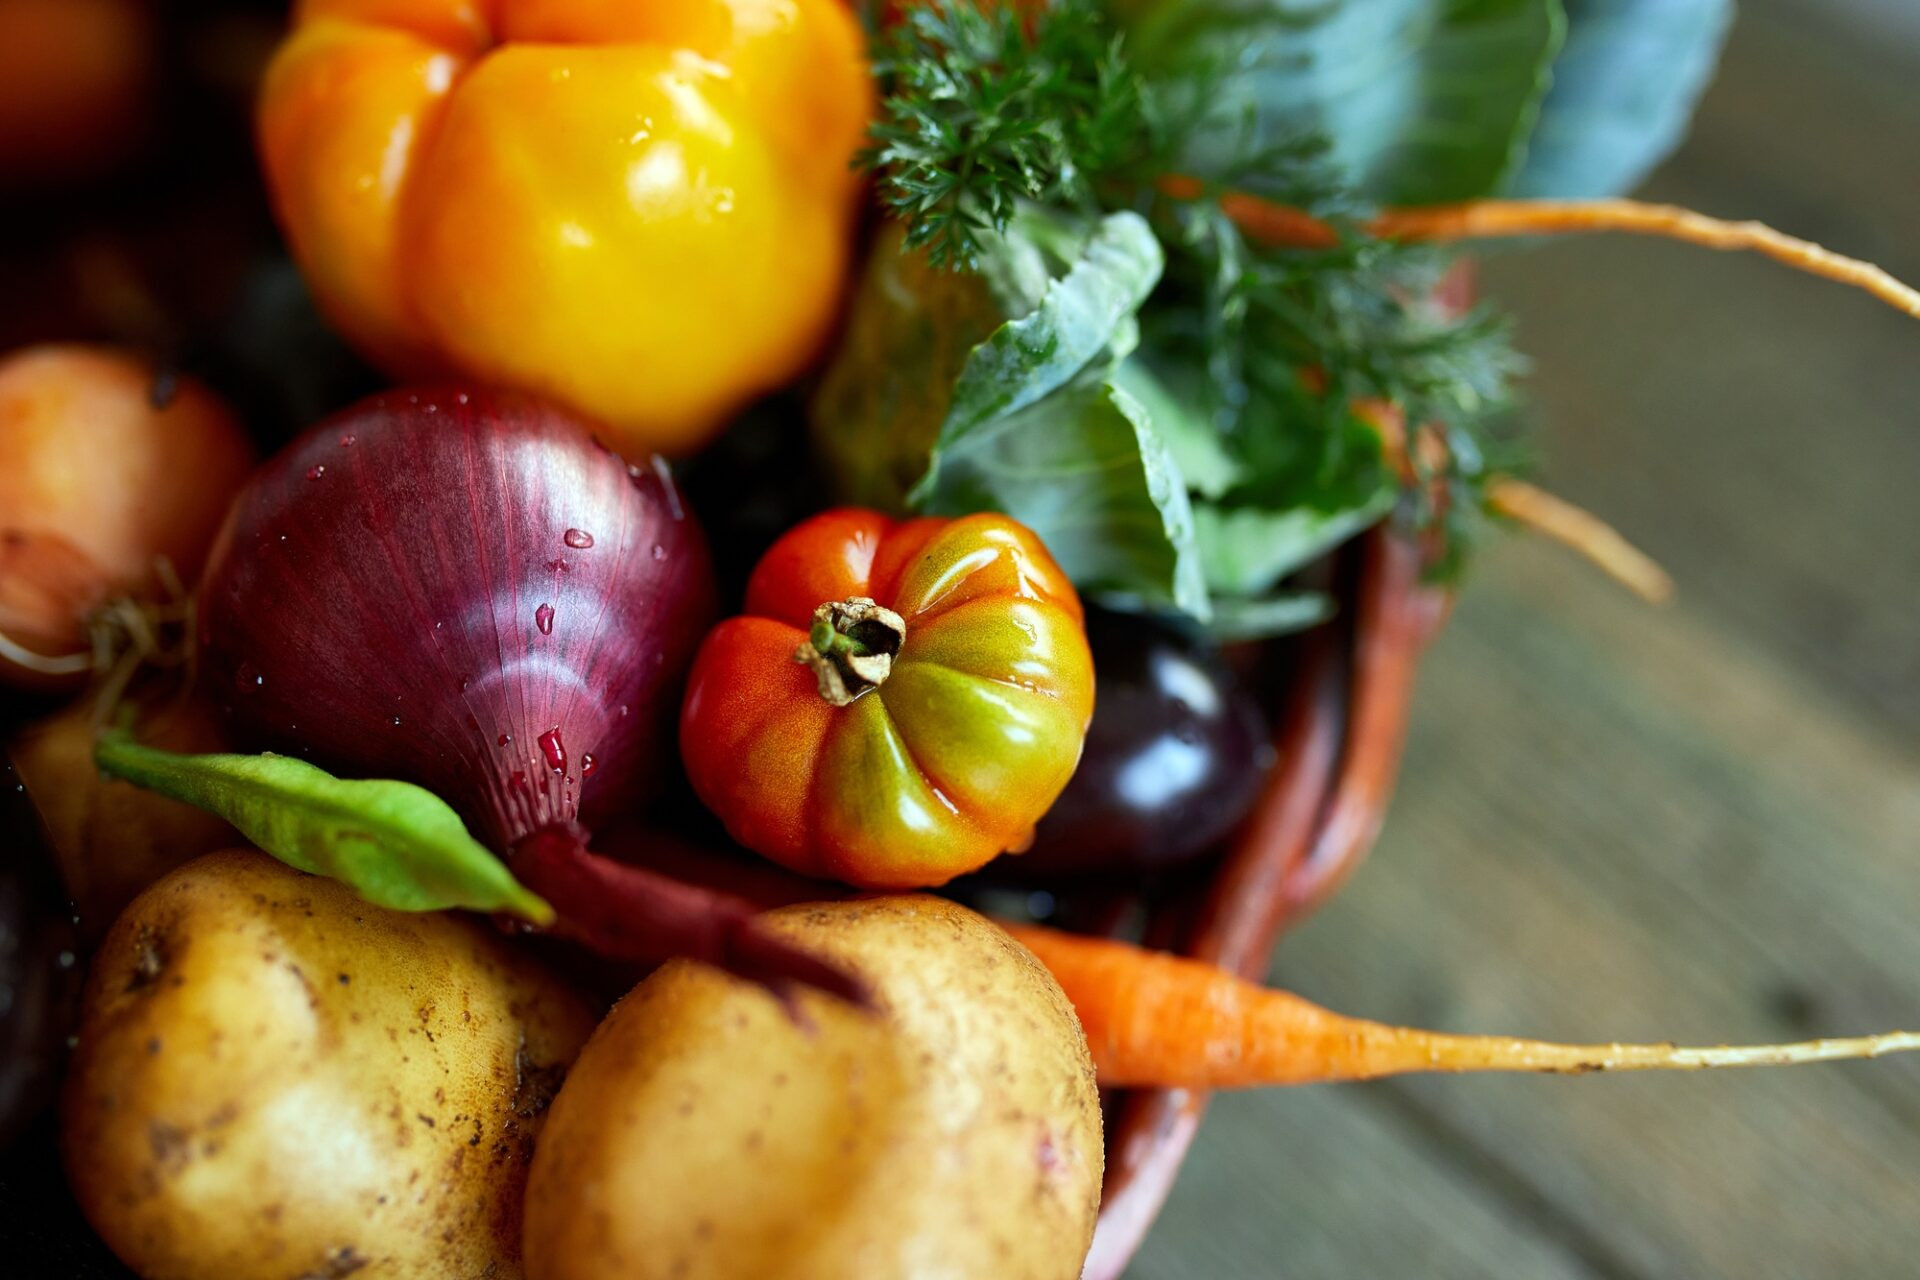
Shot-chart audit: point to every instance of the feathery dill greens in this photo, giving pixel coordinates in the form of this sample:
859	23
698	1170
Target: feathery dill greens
990	107
982	113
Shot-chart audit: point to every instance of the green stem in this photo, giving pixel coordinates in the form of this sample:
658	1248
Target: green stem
851	647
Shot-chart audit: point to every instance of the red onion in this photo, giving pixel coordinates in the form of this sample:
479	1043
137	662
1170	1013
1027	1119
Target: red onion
463	590
466	591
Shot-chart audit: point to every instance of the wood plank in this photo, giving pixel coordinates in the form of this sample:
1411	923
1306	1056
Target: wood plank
1622	826
1320	1182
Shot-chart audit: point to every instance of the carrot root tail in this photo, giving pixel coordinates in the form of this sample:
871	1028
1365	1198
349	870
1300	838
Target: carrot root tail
1154	1019
1583	532
1494	219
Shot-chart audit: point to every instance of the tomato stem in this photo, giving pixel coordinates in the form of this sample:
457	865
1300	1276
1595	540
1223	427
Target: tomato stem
851	647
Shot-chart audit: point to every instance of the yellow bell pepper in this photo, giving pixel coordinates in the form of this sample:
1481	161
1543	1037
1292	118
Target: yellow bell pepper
642	208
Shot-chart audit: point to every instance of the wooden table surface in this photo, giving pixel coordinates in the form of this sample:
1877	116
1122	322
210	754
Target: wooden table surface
1697	823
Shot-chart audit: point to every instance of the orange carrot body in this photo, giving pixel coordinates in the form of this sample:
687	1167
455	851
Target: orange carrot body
1154	1019
1158	1019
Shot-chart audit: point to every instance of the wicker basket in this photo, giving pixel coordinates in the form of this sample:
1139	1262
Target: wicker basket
1338	741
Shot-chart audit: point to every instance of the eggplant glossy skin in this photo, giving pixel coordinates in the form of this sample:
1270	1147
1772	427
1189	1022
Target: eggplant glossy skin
1174	758
39	977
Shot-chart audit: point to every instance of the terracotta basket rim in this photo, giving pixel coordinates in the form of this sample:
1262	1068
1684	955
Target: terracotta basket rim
1340	730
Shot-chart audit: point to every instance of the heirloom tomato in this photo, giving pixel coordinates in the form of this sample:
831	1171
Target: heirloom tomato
902	701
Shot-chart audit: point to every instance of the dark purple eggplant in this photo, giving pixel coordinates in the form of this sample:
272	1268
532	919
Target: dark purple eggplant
1173	759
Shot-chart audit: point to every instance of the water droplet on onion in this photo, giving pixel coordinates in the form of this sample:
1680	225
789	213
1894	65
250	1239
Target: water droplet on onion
579	539
554	750
313	473
543	618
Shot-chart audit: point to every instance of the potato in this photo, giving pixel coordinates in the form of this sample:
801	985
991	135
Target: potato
111	838
275	1080
706	1135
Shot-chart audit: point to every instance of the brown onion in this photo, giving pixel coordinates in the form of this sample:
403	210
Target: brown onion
106	475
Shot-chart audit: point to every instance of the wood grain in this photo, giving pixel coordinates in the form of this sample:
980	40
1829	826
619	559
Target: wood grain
1694	823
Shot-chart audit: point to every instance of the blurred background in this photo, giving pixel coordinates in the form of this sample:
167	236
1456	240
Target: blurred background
1616	822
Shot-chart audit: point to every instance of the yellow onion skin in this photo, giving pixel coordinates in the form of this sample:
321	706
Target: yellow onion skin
463	589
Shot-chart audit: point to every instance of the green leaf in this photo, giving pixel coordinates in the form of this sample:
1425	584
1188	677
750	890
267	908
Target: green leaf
1624	88
1197	448
1083	469
1036	431
914	329
1078	320
990	106
1422	101
1237	618
396	844
1244	551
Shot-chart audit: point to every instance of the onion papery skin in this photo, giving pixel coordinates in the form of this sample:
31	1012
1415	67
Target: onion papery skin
465	590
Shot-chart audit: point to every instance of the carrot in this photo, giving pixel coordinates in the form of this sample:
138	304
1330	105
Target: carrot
1544	513
1279	224
1160	1020
1492	219
1554	517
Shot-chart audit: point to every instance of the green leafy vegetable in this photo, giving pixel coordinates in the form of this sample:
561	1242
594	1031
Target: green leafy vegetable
1083	315
1623	89
1181	413
1034	429
1246	550
1189	437
397	845
1259	617
1419	101
1237	325
1085	471
984	115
